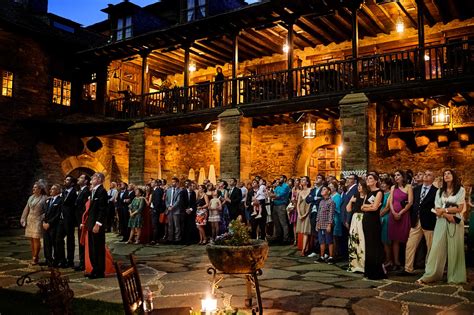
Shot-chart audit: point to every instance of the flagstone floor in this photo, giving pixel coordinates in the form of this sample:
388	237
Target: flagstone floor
290	284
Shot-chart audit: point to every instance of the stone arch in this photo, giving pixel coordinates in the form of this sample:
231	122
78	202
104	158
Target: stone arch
85	161
310	146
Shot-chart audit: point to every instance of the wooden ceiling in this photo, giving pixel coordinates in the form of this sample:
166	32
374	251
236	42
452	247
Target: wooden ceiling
263	30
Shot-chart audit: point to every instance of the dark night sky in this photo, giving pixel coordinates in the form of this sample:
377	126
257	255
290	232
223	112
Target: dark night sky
87	12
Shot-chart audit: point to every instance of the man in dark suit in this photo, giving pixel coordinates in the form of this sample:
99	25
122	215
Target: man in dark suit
346	217
235	198
67	223
123	201
156	209
423	220
190	232
52	210
83	195
175	208
96	227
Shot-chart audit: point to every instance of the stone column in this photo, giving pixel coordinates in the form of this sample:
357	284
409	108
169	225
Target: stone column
144	153
235	131
358	132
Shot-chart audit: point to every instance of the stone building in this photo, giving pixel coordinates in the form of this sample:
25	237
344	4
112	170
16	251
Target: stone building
309	88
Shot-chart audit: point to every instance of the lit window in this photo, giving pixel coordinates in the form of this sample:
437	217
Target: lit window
61	92
195	10
7	83
124	28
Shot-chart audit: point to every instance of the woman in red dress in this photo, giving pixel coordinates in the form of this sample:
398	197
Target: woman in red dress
109	261
147	228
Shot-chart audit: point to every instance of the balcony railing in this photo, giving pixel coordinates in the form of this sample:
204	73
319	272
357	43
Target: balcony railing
381	70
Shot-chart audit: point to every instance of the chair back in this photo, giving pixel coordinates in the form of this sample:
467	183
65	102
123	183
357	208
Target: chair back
130	286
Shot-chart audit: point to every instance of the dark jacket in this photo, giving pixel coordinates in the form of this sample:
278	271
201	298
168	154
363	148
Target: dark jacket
346	217
80	204
235	200
422	210
52	211
157	199
314	198
98	207
68	207
189	200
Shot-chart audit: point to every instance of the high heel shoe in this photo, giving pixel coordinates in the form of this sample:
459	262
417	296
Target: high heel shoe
137	242
129	242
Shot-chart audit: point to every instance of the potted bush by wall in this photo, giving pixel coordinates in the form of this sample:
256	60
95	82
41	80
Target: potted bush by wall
235	252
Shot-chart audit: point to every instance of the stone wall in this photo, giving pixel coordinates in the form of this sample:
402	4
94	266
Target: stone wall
281	149
434	158
182	152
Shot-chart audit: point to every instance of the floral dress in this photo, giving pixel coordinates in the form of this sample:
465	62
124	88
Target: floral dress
356	238
201	214
136	221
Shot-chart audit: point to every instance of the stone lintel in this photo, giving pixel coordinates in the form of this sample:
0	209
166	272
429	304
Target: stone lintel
354	99
231	112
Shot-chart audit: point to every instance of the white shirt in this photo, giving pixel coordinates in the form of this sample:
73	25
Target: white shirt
244	193
261	192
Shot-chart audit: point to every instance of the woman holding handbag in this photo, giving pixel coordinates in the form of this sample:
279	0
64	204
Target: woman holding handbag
448	234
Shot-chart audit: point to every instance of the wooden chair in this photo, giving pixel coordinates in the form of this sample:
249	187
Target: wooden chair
130	286
132	294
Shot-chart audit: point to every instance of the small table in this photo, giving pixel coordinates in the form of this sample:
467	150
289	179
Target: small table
251	280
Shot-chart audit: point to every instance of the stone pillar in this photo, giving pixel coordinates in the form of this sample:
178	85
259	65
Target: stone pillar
358	132
144	153
235	131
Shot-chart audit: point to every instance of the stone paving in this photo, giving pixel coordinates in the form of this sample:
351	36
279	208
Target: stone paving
290	284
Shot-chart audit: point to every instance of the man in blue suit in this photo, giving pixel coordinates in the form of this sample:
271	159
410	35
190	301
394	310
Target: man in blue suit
175	204
346	217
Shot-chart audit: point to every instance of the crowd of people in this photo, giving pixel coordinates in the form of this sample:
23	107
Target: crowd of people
375	222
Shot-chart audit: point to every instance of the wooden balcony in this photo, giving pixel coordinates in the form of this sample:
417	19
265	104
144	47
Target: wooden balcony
380	73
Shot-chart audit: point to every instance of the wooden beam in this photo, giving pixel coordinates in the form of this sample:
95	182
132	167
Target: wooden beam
441	10
301	23
367	30
333	28
213	52
388	16
402	8
265	40
316	25
370	15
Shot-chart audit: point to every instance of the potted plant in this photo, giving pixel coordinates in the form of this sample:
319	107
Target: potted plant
236	252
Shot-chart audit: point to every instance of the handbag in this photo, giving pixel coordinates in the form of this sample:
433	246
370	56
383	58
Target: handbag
290	207
163	218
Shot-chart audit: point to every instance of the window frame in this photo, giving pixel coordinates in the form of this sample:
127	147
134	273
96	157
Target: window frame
124	28
6	90
64	88
190	13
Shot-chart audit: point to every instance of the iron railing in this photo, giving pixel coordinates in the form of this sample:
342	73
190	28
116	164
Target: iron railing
438	62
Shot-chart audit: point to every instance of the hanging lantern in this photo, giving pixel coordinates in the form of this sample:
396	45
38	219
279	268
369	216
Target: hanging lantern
286	48
216	136
192	67
400	25
309	129
440	115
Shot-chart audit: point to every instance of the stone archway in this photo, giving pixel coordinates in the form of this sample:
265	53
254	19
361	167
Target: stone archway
310	146
85	161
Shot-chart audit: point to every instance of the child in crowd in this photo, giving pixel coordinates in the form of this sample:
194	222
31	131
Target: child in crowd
324	223
257	199
215	209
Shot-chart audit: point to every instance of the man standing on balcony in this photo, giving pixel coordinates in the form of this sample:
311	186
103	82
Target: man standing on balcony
218	87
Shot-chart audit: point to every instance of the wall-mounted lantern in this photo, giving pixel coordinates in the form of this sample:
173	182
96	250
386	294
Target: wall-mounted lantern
440	115
309	129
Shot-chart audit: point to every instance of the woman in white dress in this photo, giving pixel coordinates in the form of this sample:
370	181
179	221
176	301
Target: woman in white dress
32	217
356	230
